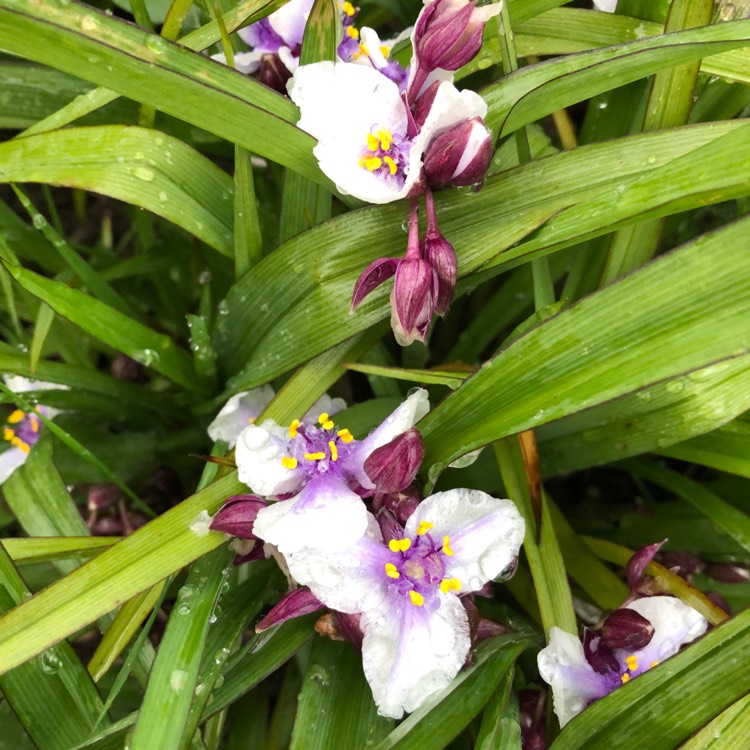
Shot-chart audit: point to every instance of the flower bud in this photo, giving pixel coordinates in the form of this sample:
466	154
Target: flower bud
626	628
448	33
273	73
415	292
237	516
102	496
401	504
372	277
459	155
639	562
393	466
390	528
439	253
729	573
599	656
424	103
718	600
682	563
296	603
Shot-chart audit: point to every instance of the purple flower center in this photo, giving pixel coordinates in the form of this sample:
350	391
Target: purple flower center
417	568
317	449
22	430
386	155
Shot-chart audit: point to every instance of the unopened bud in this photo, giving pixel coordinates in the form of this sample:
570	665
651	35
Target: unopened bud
626	628
390	528
599	656
237	516
639	562
424	103
393	466
273	73
682	563
459	155
718	600
729	573
125	368
296	603
401	504
439	253
102	496
372	277
448	33
413	299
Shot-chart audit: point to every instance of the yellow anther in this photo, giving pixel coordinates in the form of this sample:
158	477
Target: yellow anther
654	663
325	421
16	417
625	678
399	545
251	420
372	142
8	434
450	584
391	571
288	462
294	428
384	51
352	32
334	450
447	546
416	598
392	166
424	527
632	663
348	8
373	163
323	417
34	424
315	456
363	50
386	138
18	443
345	435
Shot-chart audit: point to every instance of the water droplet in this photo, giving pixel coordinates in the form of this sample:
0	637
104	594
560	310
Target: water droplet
156	44
602	105
675	386
39	221
651	159
88	23
50	662
177	680
223	308
146	357
144	173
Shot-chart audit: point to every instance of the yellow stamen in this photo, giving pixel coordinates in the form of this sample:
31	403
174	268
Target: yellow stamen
384	51
363	50
447	546
373	163
450	584
372	142
416	598
625	678
423	527
323	417
352	32
654	663
334	450
16	417
392	167
288	462
8	434
345	435
386	138
251	420
18	443
391	571
399	545
632	663
348	8
34	424
294	428
325	421
315	456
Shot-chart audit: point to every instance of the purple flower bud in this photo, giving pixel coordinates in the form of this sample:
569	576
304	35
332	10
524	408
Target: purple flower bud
439	253
532	718
599	656
390	528
625	628
718	600
401	504
108	526
682	563
413	299
296	603
448	33
273	73
102	496
125	368
372	277
459	155
639	561
424	102
487	628
393	466
237	516
729	573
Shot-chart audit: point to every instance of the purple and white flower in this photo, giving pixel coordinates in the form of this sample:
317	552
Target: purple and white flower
608	6
243	409
406	589
367	141
581	673
318	469
22	430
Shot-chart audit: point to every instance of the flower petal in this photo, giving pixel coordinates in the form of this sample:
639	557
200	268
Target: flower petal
325	404
675	624
238	412
325	515
485	533
608	6
10	460
260	449
244	62
290	19
574	683
406	415
409	653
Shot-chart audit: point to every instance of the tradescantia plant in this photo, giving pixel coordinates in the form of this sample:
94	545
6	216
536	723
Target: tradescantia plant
374	375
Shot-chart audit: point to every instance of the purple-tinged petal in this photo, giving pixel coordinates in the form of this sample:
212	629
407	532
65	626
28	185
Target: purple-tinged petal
350	627
639	562
296	603
599	655
240	411
10	460
626	628
325	404
409	653
237	516
393	466
372	277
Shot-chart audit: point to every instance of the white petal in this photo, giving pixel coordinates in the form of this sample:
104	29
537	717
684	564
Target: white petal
409	653
237	413
290	60
350	580
485	533
245	62
406	415
574	683
325	404
290	19
20	384
325	515
675	624
608	6
10	460
260	449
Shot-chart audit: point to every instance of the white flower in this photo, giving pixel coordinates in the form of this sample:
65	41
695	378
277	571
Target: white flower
576	684
416	631
608	6
319	467
360	120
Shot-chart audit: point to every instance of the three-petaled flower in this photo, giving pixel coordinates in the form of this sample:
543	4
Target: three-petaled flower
406	589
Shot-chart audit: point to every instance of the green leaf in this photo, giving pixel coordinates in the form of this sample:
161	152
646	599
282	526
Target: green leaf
450	378
39	549
727	731
143	167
